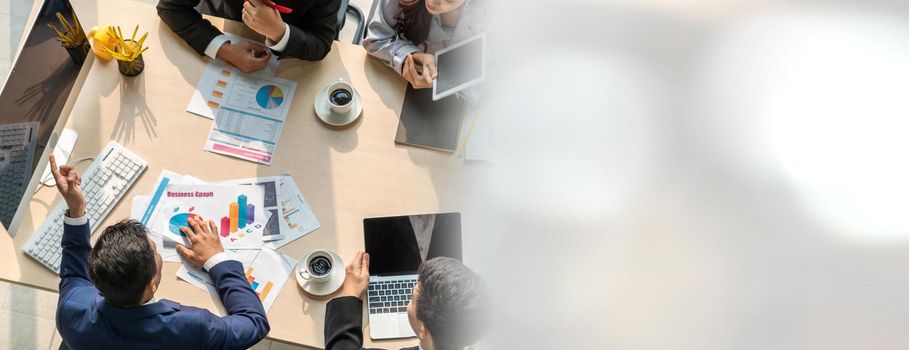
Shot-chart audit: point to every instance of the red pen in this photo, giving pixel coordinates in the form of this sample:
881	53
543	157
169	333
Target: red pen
275	6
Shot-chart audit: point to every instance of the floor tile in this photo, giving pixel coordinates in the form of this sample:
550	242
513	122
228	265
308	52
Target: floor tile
262	345
16	7
31	301
21	331
282	346
55	341
4	287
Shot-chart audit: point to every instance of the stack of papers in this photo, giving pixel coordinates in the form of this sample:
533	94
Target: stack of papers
249	109
253	218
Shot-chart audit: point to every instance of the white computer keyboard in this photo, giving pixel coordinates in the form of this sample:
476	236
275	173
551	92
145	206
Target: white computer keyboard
103	185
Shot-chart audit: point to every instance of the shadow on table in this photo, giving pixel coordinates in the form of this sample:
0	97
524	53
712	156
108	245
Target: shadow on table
133	110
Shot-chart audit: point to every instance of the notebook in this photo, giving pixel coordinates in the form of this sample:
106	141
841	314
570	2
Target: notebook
428	123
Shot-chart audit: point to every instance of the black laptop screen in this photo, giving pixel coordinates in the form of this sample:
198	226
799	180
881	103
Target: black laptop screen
398	245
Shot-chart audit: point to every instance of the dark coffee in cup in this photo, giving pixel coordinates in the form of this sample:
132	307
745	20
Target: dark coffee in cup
341	97
320	266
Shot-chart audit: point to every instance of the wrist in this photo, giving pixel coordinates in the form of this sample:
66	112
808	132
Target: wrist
347	293
76	210
223	51
277	33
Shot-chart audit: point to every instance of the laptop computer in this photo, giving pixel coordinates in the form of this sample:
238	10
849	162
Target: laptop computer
397	246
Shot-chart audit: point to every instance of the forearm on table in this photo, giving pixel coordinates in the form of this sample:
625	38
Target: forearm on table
182	17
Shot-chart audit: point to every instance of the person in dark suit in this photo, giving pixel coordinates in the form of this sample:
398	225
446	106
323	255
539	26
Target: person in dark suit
107	292
306	33
447	310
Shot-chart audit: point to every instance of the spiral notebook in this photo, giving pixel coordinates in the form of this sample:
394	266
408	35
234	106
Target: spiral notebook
430	124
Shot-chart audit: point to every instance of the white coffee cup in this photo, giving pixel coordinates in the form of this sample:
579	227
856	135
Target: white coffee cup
318	266
340	96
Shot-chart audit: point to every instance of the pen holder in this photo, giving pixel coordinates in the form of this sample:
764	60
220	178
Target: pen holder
79	53
134	67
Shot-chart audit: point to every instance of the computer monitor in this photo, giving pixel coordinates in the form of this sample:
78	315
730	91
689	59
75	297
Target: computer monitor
34	103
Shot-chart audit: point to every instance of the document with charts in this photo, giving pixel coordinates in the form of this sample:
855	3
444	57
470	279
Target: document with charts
237	211
250	121
296	212
266	271
218	80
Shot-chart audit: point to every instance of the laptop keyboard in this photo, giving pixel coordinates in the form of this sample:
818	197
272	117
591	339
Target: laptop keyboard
390	296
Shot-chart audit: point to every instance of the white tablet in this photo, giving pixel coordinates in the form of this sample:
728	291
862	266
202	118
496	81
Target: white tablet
460	66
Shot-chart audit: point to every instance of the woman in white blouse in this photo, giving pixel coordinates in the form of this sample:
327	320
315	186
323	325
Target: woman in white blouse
404	34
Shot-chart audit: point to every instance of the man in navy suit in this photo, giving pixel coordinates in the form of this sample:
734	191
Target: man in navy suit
107	293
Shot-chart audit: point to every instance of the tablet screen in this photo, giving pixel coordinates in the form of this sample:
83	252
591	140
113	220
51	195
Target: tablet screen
460	66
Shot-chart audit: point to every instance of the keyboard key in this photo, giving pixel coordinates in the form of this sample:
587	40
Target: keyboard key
373	293
372	299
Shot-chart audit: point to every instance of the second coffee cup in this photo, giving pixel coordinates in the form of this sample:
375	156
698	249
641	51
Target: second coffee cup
319	266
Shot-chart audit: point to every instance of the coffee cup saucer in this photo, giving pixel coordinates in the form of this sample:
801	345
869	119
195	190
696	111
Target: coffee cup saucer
322	288
330	117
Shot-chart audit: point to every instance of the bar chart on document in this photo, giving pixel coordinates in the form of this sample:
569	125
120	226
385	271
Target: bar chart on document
218	80
267	274
295	211
249	122
265	270
236	211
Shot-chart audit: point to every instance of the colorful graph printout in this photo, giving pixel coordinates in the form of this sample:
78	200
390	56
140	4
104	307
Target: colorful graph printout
269	97
266	271
179	202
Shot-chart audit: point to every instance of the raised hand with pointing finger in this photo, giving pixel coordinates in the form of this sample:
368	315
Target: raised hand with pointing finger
68	182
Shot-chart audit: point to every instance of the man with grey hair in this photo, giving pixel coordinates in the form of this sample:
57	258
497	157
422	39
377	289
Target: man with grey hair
447	310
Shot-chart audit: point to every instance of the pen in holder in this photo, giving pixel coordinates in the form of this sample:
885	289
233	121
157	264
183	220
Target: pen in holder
127	52
72	38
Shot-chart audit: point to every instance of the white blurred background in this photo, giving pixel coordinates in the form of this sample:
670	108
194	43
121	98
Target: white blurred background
693	174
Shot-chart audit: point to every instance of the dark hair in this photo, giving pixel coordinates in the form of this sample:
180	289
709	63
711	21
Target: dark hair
122	263
451	303
413	20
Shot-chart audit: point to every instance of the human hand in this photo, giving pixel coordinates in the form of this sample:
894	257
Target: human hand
68	182
263	19
248	57
357	279
205	241
420	70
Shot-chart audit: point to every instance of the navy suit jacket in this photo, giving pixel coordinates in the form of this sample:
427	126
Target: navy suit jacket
86	321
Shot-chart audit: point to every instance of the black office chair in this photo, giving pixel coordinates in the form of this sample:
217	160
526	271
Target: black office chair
372	12
353	10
